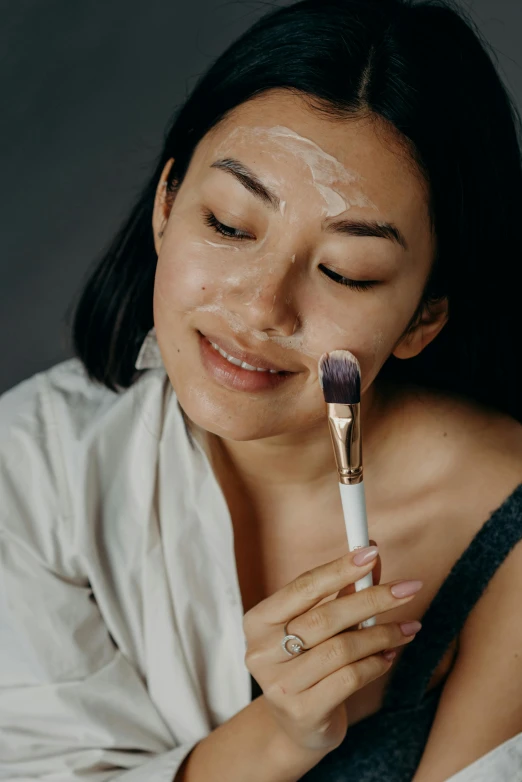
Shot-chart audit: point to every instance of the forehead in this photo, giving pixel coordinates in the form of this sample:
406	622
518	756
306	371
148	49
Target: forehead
365	147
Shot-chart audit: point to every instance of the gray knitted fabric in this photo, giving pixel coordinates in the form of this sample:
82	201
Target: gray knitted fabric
387	746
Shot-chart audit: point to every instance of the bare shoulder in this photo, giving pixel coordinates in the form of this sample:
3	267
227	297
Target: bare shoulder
467	460
473	451
471	430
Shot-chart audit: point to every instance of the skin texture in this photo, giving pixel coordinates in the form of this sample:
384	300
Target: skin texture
269	291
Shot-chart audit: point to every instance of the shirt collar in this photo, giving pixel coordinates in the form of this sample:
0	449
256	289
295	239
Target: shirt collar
149	356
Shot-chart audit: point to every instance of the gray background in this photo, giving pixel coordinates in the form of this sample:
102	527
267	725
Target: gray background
88	89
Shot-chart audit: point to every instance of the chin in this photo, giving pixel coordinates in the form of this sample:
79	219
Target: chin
223	420
236	428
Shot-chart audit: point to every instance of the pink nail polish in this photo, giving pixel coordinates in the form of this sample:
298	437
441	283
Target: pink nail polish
406	588
410	628
365	555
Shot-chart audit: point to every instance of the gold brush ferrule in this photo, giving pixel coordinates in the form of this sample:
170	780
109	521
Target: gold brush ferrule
345	430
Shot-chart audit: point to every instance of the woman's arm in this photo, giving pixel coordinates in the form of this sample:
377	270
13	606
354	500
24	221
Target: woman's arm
72	705
481	704
249	746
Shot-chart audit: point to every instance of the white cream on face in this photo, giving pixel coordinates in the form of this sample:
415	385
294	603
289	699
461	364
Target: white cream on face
219	246
336	189
324	169
235	322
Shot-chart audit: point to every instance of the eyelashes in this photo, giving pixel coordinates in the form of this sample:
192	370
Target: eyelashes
234	233
356	285
221	228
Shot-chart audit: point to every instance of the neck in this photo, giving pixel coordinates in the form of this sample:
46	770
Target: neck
302	460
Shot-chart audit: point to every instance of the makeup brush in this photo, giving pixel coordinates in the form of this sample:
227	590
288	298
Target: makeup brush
340	379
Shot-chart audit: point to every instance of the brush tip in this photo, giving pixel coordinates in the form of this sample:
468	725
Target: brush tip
340	377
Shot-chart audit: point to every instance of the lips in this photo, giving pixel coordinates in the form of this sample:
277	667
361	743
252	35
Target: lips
242	355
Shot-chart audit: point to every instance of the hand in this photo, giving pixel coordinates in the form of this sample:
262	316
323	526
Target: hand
306	693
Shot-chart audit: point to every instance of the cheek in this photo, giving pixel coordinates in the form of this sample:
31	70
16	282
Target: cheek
185	277
367	328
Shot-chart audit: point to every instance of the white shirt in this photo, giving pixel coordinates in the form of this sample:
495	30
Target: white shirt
121	635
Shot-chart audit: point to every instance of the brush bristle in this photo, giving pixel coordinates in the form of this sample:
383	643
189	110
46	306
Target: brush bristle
340	377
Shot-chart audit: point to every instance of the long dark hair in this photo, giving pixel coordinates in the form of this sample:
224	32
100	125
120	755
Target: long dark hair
425	69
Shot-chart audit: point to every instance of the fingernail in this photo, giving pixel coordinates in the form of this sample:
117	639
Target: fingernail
406	588
365	555
389	655
410	628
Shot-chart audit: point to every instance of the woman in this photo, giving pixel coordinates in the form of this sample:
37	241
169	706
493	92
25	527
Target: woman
346	175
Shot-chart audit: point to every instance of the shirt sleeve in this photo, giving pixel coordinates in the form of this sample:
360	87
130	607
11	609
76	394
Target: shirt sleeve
72	706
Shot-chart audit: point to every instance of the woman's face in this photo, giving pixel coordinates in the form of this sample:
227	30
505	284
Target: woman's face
296	283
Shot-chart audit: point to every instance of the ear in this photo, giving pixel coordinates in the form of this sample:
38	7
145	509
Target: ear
431	322
162	206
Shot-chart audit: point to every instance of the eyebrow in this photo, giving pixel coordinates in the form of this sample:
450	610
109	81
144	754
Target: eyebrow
347	226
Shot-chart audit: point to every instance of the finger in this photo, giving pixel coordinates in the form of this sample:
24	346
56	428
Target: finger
339	686
344	649
349	589
304	592
328	620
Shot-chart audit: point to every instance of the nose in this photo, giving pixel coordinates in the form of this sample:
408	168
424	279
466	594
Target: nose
264	296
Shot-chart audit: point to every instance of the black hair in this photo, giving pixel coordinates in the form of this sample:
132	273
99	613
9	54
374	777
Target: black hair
423	69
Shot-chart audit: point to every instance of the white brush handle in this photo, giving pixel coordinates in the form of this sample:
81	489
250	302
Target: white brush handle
354	509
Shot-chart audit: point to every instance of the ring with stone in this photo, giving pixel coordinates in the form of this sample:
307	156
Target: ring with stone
296	644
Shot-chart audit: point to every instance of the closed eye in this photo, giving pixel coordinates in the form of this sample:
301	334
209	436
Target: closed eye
221	228
356	285
234	233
